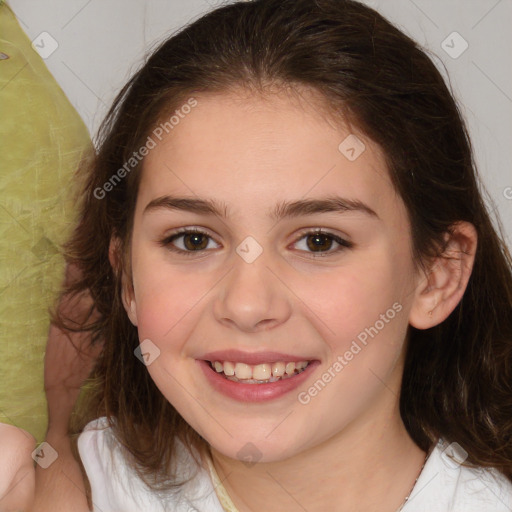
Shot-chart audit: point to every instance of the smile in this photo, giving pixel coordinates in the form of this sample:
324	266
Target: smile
260	373
260	382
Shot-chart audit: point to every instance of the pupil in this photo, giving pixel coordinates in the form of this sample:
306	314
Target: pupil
195	237
318	239
193	241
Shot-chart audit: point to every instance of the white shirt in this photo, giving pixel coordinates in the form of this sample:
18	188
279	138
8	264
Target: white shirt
443	485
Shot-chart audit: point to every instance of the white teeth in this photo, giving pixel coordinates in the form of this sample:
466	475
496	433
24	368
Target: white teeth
229	368
261	372
243	371
290	368
278	369
265	372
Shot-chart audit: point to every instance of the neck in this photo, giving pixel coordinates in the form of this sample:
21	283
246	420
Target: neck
371	465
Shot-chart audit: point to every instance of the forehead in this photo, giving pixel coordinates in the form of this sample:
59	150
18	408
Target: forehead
249	150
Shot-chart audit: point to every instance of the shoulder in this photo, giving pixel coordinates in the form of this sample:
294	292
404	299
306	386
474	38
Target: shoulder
446	485
116	486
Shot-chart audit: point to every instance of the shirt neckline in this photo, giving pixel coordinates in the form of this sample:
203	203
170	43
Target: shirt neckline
228	505
219	488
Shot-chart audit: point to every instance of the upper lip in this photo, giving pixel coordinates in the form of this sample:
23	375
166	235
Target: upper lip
252	358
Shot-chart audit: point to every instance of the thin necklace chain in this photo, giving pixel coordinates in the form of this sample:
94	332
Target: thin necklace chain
415	482
427	455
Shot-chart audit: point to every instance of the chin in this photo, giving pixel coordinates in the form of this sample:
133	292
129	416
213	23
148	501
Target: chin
253	449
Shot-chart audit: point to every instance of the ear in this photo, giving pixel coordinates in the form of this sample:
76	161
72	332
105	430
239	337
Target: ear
440	290
127	291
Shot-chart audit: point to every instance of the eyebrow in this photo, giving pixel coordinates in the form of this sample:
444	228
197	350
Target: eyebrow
330	204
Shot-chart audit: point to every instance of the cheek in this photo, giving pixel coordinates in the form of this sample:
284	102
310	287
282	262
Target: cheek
347	303
168	302
163	311
364	323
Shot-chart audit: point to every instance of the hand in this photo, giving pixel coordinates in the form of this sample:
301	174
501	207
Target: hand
17	475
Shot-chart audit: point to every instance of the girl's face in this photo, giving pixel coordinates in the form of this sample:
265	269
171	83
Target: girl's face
261	282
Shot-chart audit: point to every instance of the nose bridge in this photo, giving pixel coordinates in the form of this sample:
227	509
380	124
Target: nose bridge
251	297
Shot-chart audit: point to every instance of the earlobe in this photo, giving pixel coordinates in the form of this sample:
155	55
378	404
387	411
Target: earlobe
113	253
423	314
133	312
440	290
129	303
127	293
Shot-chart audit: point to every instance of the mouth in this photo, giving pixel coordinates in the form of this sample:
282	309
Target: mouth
253	380
258	374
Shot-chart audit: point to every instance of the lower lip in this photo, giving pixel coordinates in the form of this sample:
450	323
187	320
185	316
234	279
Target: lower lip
254	392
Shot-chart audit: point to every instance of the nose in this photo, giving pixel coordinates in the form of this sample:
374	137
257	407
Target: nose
253	297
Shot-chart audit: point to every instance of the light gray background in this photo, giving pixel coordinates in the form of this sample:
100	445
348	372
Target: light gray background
102	42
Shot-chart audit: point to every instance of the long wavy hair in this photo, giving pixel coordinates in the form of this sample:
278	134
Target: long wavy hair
457	381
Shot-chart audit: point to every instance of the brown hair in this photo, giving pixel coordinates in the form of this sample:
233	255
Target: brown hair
458	375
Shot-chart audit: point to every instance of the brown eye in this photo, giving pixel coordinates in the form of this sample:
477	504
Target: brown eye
187	242
195	241
320	243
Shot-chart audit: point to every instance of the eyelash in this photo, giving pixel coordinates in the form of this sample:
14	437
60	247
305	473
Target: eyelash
344	244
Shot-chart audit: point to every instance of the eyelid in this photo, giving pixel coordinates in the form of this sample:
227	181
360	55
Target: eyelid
342	241
166	240
339	239
323	231
190	229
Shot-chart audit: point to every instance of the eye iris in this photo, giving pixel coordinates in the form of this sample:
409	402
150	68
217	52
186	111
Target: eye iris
198	241
194	237
319	241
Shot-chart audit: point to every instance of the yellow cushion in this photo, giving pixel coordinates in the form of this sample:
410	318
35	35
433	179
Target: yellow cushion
42	139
